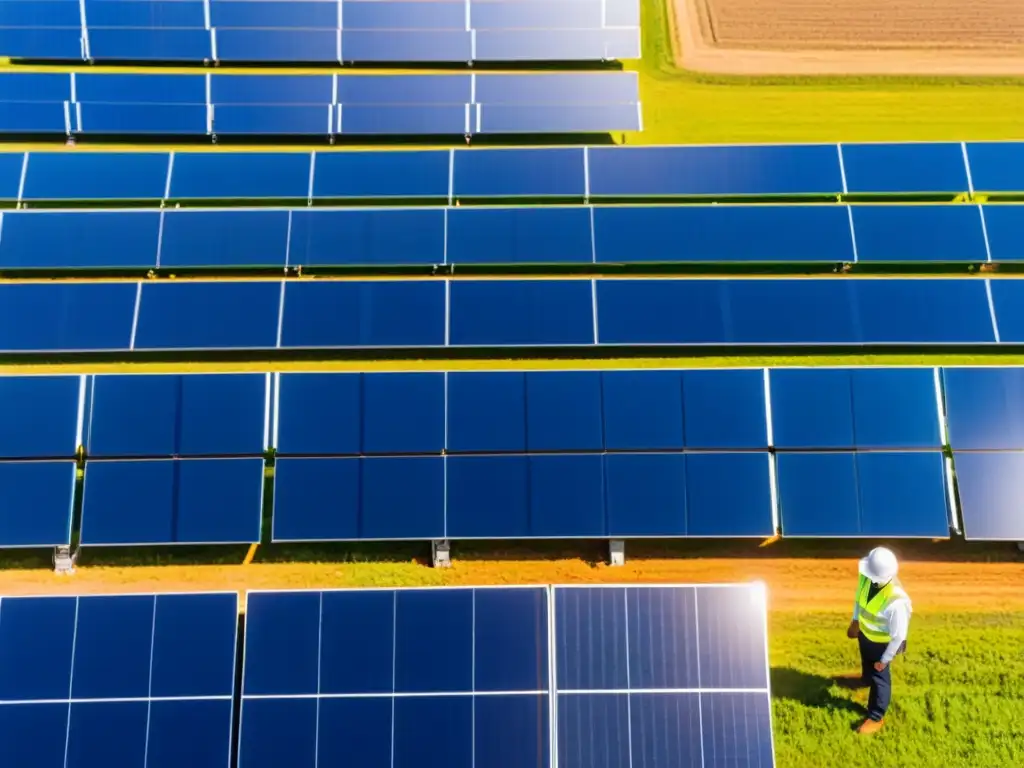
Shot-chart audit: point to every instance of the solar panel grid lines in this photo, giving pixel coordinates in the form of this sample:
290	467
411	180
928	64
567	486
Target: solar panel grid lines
479	679
673	661
140	666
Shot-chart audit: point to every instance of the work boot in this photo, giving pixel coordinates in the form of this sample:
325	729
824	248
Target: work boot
851	682
870	726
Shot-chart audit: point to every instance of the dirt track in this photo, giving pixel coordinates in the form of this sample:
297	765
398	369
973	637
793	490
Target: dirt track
803	584
870	37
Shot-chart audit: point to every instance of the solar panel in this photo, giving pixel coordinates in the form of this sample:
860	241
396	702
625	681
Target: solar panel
36	503
327	105
40	416
855	408
310	31
533	313
80	239
77	175
989	487
715	170
662	675
906	168
480	688
897	494
1007	308
919	233
495	454
367	237
118	680
722	233
1004	225
984	408
996	166
213	175
58	317
520	173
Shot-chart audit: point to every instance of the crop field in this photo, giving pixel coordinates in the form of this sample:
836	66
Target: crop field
870	24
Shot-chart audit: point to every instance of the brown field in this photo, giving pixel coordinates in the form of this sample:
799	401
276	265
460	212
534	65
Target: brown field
794	584
915	37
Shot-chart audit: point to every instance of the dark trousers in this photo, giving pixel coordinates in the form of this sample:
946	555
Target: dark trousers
880	682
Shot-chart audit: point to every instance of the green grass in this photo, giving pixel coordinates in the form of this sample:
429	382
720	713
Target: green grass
685	107
958	696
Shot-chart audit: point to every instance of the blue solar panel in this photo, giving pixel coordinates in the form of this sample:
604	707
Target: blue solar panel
739	170
41	42
919	233
188	104
527	312
121	44
520	173
302	686
358	236
198	175
39	416
519	236
80	240
95	175
36	502
893	168
805	311
354	314
1004	228
722	233
207	315
118	679
219	414
996	166
667	675
889	408
66	317
224	239
1007	309
339	499
172	501
863	494
11	164
984	408
370	174
990	486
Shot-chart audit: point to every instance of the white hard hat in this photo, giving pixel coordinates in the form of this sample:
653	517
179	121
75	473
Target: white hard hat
880	565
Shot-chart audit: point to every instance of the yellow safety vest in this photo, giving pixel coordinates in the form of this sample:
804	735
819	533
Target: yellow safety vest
869	614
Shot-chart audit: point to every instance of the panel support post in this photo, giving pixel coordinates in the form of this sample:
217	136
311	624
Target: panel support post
64	561
616	552
440	553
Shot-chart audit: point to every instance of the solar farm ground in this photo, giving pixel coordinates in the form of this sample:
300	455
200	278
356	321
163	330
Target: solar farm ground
851	36
959	694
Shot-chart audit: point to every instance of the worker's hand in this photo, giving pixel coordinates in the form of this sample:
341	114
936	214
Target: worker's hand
880	666
853	630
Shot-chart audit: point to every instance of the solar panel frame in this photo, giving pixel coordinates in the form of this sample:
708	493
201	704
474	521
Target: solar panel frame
70	700
756	588
543	694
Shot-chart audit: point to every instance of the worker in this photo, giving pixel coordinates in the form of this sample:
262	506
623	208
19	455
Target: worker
881	620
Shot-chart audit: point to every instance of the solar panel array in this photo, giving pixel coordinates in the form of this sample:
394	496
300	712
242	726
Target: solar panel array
318	105
119	680
479	236
320	30
575	173
439	313
520	676
173	459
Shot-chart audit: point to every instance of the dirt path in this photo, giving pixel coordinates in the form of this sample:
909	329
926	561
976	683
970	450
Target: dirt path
802	584
698	46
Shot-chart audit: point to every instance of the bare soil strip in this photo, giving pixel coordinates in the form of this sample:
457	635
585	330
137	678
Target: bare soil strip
846	37
795	584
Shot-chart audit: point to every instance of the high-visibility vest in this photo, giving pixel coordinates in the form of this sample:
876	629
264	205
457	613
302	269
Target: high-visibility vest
869	615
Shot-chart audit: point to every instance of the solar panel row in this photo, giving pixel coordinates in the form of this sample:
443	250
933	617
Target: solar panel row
326	237
320	31
318	105
495	454
306	314
673	675
564	172
123	680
